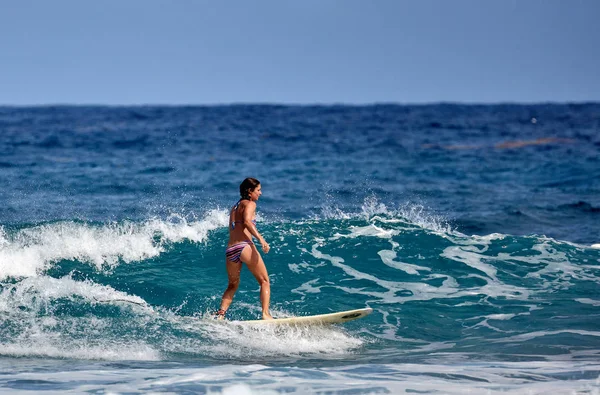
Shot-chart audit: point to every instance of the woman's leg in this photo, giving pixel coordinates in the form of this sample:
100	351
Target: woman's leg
233	274
251	257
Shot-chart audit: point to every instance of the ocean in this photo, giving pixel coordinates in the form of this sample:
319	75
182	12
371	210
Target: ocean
472	231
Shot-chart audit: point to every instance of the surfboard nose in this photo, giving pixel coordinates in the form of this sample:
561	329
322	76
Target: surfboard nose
357	314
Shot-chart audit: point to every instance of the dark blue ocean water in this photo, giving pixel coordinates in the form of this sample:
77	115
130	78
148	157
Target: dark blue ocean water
473	231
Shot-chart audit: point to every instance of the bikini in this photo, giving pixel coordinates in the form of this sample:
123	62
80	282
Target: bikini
234	252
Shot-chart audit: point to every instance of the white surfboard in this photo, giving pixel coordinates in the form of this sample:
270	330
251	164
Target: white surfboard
322	319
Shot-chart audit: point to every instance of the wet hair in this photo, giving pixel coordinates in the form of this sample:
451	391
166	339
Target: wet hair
246	186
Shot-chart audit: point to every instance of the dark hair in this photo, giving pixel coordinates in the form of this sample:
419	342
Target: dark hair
247	185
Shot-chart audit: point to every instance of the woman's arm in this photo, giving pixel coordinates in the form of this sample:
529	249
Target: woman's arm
249	211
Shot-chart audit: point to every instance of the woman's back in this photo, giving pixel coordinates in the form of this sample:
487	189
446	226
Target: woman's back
237	227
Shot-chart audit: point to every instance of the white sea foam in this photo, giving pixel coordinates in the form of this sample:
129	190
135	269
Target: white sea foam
501	317
34	326
558	271
512	378
36	292
471	256
409	213
532	335
545	261
484	321
240	341
31	251
77	349
548	264
588	301
368	230
388	257
418	290
307	287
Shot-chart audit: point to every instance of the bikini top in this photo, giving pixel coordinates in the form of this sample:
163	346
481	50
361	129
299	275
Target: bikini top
237	222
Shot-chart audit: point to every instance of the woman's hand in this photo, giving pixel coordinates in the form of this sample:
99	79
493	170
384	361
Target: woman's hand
265	246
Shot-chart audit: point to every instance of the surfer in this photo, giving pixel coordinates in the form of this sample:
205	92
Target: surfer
240	248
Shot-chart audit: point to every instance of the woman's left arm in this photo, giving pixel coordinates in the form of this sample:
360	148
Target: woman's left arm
249	213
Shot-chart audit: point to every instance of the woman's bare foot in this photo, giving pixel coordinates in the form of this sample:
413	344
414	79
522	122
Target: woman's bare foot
220	314
267	316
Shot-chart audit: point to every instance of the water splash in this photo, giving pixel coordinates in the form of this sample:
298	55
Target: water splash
31	251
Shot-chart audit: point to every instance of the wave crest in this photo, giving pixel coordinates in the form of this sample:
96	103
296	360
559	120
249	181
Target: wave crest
408	212
31	251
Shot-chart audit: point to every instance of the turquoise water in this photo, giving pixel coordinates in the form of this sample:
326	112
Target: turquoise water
470	230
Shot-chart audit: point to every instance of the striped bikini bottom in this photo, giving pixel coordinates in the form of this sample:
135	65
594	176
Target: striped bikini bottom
234	252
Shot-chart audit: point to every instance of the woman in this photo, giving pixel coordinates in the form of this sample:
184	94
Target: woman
240	248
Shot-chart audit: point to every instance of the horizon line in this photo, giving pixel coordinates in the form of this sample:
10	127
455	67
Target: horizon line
307	104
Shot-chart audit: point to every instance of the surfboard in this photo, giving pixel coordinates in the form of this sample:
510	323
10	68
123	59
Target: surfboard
322	319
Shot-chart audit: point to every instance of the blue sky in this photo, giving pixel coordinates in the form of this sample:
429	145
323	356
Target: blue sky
310	51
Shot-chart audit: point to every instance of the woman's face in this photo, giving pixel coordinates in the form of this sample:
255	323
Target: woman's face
255	194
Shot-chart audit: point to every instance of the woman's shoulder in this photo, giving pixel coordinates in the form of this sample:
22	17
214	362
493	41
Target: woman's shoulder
247	203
